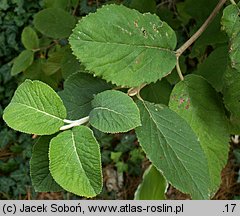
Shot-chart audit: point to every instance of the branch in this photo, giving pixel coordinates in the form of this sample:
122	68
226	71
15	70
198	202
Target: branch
201	29
179	70
233	2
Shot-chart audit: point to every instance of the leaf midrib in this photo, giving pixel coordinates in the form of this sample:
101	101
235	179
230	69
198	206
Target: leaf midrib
80	163
37	110
110	110
172	148
125	44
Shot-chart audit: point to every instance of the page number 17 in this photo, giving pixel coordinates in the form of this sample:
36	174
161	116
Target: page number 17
230	207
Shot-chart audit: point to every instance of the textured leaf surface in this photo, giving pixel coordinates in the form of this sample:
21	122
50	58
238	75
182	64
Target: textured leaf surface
54	22
197	102
29	38
22	62
79	90
69	64
114	112
128	48
231	91
172	147
39	167
75	161
36	109
231	24
152	187
211	70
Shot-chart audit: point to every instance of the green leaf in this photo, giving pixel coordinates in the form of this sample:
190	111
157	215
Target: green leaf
29	38
69	64
152	187
158	92
79	90
173	148
39	167
54	22
114	112
211	70
36	109
22	62
37	72
75	161
213	36
197	102
231	24
128	48
53	63
231	91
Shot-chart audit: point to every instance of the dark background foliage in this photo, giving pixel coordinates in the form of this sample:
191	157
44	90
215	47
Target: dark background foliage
123	160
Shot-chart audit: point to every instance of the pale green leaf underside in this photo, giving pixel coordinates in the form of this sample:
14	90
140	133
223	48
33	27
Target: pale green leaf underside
197	102
152	187
231	24
75	161
79	90
127	48
173	148
114	112
39	167
36	109
22	62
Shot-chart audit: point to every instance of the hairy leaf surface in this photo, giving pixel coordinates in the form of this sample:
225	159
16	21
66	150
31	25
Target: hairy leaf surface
114	112
75	161
79	90
36	109
39	167
127	48
173	148
197	102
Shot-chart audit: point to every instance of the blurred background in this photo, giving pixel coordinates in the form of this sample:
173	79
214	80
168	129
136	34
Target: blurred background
123	160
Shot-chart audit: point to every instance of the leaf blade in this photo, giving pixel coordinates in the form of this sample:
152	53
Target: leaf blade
22	62
197	102
173	148
29	38
54	22
130	48
75	161
114	112
79	91
36	109
152	187
39	167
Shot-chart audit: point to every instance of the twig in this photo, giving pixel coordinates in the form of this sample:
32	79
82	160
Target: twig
233	2
179	70
75	8
135	90
201	29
